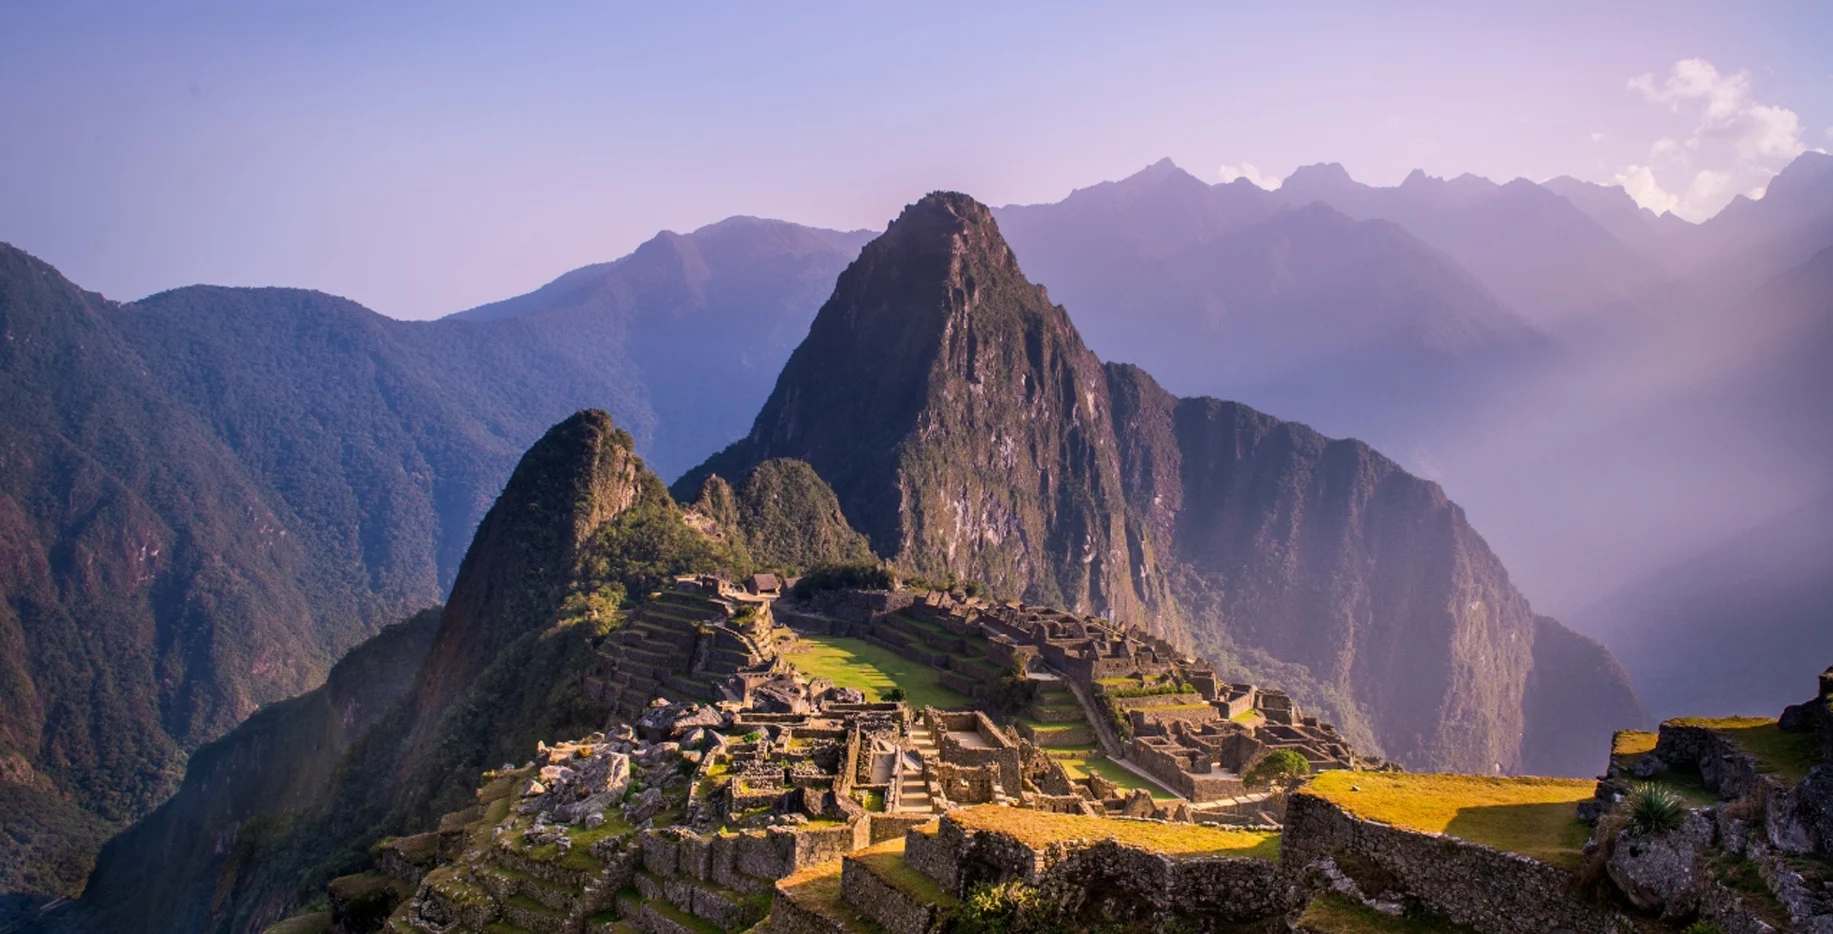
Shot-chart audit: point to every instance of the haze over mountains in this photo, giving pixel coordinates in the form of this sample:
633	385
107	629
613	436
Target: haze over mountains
210	494
966	429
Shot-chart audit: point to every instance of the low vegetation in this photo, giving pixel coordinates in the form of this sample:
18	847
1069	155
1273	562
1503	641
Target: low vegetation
1535	817
1653	810
1281	767
855	575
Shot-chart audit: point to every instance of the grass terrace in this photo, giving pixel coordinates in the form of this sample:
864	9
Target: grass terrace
1535	817
1626	746
1083	761
1041	828
817	890
886	861
1789	755
856	663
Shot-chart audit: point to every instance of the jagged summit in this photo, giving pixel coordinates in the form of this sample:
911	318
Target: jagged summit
967	429
1317	178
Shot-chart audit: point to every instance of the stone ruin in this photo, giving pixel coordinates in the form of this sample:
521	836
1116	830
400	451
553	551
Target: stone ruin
683	643
725	769
1135	695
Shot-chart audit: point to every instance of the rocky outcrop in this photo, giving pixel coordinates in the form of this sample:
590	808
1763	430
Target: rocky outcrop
966	429
1664	872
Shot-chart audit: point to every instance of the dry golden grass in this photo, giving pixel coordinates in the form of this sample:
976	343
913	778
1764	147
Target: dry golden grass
886	861
1535	817
1039	829
1632	742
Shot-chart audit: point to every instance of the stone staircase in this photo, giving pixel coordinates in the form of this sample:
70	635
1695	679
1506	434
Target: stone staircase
913	792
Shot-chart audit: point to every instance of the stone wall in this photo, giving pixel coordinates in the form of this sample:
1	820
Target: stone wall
1169	769
967	784
1104	879
1724	767
1490	891
999	752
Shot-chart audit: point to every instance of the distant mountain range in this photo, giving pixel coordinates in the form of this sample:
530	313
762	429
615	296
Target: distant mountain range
211	494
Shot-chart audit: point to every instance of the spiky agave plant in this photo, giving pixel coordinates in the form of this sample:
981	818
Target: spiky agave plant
1654	810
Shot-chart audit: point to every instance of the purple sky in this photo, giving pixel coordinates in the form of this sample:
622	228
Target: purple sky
425	158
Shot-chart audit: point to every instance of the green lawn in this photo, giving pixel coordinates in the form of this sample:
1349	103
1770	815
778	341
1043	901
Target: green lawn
1535	817
1082	760
856	663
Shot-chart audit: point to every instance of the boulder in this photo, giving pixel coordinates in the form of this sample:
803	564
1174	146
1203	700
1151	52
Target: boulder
646	805
1664	872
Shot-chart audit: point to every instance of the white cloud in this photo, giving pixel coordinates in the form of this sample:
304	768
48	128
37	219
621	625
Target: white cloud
1248	171
1639	181
1597	137
1739	143
1709	185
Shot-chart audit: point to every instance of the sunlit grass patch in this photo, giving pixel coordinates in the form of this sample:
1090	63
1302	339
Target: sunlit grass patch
1789	755
1535	817
858	664
1042	828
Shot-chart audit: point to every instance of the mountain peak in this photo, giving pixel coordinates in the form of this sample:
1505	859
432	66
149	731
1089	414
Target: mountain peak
1320	176
949	211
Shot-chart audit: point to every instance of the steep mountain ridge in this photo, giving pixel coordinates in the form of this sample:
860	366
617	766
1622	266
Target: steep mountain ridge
705	321
396	737
446	701
211	493
939	372
967	430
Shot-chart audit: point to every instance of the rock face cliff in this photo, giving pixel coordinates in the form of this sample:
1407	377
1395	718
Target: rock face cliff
966	429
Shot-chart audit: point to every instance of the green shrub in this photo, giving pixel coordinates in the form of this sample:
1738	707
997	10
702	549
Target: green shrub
1015	690
1281	766
858	575
891	695
1704	927
1001	908
1653	810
